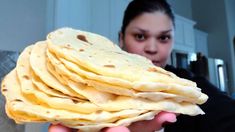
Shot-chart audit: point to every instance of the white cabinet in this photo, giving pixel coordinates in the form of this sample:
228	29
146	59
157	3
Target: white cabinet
201	44
184	34
89	15
99	16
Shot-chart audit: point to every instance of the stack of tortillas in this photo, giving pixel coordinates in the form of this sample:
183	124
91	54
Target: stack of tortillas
82	80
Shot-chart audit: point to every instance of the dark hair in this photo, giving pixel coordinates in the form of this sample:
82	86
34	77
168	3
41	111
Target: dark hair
138	7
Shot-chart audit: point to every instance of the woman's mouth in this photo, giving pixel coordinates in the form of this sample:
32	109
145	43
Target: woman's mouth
156	63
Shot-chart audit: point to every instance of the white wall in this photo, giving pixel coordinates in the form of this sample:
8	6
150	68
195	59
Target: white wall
22	22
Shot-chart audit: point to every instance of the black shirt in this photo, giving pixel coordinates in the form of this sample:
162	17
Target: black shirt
219	109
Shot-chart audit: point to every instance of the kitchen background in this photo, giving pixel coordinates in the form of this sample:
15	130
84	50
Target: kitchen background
204	26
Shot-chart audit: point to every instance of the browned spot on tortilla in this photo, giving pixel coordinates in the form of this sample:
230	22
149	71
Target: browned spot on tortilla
18	100
109	66
4	90
152	69
80	124
81	50
26	77
82	37
98	111
68	46
48	112
75	101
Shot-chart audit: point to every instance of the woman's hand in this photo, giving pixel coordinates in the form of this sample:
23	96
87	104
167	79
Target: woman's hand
140	126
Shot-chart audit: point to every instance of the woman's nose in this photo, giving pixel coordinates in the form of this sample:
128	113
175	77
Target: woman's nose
151	47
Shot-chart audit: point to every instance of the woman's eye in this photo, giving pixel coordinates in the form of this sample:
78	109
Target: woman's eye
140	37
164	38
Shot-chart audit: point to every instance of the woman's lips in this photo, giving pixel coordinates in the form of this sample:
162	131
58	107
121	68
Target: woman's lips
156	63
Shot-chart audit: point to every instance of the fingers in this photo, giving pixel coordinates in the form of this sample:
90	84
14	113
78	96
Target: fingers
154	124
162	118
58	128
141	126
116	129
166	116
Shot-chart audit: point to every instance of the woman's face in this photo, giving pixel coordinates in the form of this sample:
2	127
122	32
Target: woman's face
150	35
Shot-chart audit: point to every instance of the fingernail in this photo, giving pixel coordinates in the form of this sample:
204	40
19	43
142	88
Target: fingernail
172	119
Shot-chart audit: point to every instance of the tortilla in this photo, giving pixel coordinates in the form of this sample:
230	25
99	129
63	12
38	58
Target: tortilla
24	73
105	87
83	80
19	104
38	64
188	91
59	68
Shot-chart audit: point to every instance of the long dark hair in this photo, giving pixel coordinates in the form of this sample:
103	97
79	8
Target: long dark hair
138	7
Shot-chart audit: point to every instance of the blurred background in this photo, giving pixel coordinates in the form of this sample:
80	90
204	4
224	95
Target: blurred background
205	35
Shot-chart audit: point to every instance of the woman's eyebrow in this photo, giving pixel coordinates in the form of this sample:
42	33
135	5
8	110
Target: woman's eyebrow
146	31
166	31
140	30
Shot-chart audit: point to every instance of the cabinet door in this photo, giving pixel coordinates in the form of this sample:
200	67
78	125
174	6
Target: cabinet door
201	42
99	16
189	39
184	34
179	32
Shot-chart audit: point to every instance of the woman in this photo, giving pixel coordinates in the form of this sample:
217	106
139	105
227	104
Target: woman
148	30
